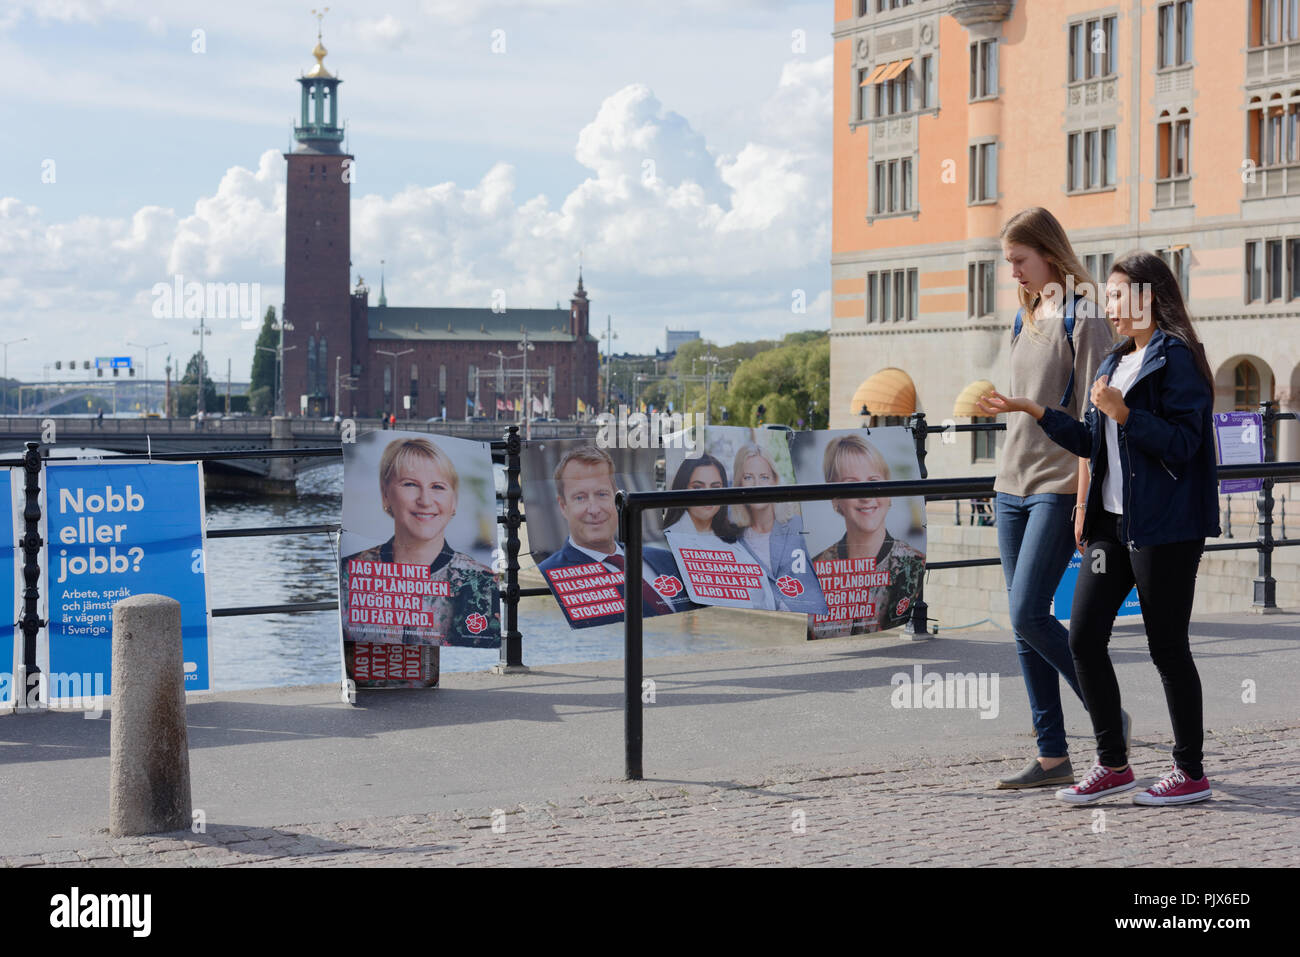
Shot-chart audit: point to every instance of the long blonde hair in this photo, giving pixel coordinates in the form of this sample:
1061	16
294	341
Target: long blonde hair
739	514
1038	229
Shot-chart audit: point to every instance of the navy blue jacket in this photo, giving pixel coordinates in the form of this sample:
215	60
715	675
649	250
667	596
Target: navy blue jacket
1166	449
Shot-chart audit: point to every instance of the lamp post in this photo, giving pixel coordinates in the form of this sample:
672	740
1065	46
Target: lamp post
526	347
394	356
5	404
609	337
147	394
201	331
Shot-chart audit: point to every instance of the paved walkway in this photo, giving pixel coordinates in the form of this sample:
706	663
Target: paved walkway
774	756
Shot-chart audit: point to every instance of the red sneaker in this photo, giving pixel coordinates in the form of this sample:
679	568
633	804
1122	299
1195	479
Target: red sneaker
1175	788
1098	783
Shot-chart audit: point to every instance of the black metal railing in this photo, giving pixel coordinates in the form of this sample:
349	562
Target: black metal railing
504	451
633	505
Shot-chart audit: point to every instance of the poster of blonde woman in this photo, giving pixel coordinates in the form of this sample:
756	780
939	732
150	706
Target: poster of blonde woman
748	556
419	523
869	553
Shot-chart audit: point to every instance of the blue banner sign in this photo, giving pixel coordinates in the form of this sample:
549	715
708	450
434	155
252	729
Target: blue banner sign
117	530
8	588
1065	592
112	362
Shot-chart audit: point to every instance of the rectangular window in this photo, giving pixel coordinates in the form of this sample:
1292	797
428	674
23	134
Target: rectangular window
983	69
1090	159
979	289
1112	54
864	94
1096	49
1178	260
1182	147
893	185
913	294
927	82
885	284
1072	164
1273	270
873	298
900	294
1108	156
1076	52
983	443
1292	269
905	166
1166	35
1091	176
1185	31
983	172
880	188
1254	271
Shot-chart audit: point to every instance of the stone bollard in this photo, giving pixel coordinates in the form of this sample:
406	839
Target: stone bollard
149	763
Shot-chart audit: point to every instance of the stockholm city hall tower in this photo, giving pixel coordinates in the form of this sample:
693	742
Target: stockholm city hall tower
317	263
452	359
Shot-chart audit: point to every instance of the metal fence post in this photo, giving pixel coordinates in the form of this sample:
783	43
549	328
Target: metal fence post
512	652
1265	587
917	624
629	528
31	544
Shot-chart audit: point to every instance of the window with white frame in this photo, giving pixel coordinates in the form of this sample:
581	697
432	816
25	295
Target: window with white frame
979	288
892	295
983	69
1174	34
1274	21
983	173
1174	145
894	187
1178	258
1092	53
1090	159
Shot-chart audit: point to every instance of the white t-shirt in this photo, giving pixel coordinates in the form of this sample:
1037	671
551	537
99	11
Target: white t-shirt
1112	486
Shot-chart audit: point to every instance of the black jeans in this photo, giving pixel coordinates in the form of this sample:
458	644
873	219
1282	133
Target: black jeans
1166	582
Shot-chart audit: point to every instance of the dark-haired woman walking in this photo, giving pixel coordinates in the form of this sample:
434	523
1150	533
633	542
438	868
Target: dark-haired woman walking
1152	502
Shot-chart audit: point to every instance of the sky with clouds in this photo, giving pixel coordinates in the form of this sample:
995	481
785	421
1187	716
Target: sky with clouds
683	147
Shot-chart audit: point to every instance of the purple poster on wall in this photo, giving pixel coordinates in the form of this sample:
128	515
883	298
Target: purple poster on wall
1240	438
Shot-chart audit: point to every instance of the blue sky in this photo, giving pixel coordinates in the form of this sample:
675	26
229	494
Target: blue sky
477	169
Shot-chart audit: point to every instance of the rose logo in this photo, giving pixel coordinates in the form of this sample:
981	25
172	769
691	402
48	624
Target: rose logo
476	623
667	585
790	587
902	606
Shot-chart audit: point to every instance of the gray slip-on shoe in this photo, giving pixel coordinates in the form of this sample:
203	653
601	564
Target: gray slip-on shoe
1034	776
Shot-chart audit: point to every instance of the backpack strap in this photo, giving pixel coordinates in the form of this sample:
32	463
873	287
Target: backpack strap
1069	337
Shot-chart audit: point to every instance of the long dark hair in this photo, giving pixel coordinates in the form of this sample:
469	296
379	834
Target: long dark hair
1146	270
721	524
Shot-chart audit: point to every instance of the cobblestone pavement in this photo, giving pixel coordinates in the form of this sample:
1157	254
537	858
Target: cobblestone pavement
922	815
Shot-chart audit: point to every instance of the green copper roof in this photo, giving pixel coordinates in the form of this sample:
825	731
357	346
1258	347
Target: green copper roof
465	325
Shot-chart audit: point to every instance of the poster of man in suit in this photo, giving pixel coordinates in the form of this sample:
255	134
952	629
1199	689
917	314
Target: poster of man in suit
568	490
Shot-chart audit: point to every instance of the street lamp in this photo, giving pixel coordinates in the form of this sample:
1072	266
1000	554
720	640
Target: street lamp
526	347
5	404
609	337
201	331
146	367
394	356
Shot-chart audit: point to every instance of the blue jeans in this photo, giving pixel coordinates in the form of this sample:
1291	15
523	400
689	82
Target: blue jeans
1036	539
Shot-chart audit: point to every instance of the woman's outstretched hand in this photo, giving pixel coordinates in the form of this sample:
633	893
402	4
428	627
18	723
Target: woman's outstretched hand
995	403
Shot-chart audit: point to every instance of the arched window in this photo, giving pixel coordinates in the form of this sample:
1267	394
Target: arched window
1245	387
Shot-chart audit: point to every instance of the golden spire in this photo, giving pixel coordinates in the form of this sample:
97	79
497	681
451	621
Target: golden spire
320	51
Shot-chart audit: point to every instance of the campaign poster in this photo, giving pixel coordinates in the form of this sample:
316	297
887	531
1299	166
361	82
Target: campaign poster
1239	437
8	590
869	553
113	530
568	494
741	556
1063	598
416	572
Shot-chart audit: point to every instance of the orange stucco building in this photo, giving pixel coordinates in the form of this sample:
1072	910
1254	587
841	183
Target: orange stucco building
1168	126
